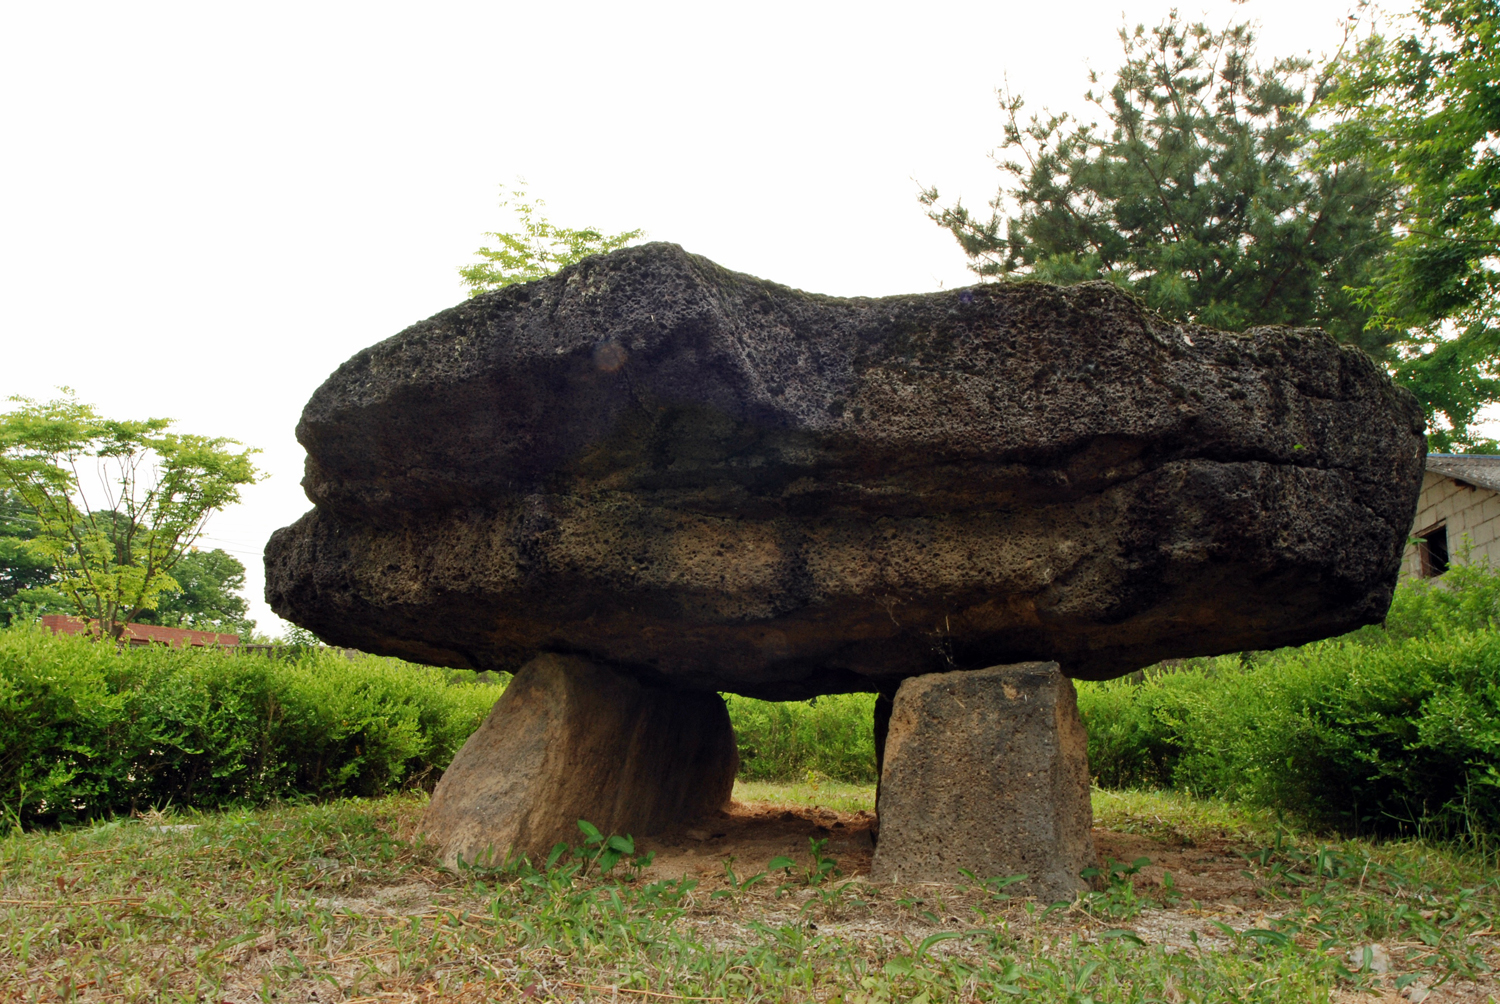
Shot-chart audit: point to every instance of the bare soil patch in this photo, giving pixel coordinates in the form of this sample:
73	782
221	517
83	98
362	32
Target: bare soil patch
1210	872
753	833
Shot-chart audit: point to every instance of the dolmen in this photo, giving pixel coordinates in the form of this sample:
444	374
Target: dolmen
647	480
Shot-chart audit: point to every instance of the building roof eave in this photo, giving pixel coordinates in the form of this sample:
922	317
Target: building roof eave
1469	470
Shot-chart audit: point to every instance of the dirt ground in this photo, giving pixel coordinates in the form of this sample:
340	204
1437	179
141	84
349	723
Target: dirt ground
1210	877
754	833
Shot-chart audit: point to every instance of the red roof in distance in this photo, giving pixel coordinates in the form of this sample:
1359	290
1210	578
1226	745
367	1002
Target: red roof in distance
144	634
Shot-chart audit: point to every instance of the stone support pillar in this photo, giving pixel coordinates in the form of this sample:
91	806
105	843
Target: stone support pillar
569	740
987	771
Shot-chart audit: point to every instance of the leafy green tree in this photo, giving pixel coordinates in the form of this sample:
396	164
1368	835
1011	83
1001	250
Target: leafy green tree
1198	194
1425	109
1213	195
300	637
209	595
539	249
26	577
116	504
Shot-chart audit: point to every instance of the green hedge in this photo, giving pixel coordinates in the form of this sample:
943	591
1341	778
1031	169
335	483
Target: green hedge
86	731
1387	729
783	741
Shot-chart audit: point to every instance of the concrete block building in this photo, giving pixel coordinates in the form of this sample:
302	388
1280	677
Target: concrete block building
1460	502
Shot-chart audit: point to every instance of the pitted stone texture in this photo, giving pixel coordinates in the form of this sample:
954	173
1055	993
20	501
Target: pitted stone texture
720	483
571	740
987	771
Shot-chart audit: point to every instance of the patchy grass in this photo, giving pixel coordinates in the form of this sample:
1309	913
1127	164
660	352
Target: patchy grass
813	792
1178	817
341	902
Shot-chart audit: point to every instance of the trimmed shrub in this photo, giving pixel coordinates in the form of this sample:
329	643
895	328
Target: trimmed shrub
87	731
1387	729
832	735
1393	728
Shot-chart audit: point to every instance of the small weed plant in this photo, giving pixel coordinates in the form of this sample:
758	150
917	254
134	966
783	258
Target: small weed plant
1117	900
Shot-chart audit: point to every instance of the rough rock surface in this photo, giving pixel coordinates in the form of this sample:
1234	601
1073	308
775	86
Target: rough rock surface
722	483
988	771
571	740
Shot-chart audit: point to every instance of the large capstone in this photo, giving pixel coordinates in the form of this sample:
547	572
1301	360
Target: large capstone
718	483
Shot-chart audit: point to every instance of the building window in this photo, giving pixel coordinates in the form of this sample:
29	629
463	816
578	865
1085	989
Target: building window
1433	550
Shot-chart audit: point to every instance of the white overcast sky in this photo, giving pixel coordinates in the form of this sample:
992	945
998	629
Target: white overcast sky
206	207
